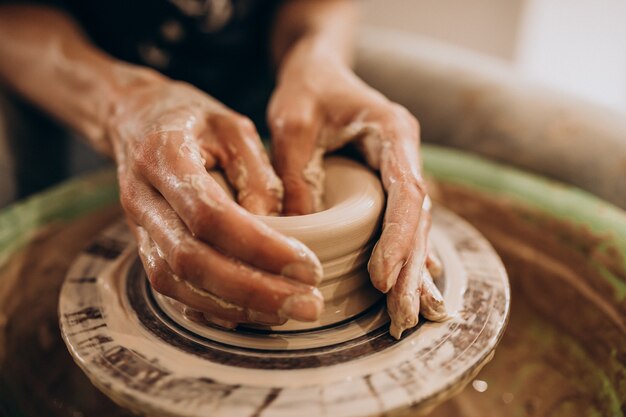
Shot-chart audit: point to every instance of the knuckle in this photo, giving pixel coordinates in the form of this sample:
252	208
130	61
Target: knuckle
128	199
290	125
276	120
244	124
297	124
401	115
143	154
274	112
408	193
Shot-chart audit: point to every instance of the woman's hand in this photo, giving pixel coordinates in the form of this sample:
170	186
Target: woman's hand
321	105
197	245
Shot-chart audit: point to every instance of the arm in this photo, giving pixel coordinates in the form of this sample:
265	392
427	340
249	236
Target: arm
326	26
194	242
320	105
47	59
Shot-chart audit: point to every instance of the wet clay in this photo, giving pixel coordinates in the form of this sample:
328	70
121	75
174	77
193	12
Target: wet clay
563	353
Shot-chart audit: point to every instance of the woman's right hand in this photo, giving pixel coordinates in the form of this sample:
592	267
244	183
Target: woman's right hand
196	244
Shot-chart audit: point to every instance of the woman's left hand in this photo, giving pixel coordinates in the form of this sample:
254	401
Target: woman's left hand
319	106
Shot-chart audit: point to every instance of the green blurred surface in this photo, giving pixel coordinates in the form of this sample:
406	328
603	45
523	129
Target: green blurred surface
70	200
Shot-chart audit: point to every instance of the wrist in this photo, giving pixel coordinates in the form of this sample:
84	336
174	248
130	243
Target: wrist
312	51
125	82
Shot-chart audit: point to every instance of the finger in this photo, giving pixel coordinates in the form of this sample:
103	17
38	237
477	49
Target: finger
400	173
434	265
164	281
210	215
403	304
246	164
297	155
213	274
432	305
403	300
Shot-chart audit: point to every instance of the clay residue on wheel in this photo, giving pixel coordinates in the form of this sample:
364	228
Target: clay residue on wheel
564	352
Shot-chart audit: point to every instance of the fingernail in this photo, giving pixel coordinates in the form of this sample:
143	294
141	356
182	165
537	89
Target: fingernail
393	276
433	304
439	305
303	307
434	266
307	272
373	267
441	310
403	312
436	294
435	313
396	329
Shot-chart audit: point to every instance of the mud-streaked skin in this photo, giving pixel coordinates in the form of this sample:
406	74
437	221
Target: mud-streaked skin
320	105
414	291
196	244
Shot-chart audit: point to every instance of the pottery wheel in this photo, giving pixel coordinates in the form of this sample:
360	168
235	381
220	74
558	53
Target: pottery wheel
154	362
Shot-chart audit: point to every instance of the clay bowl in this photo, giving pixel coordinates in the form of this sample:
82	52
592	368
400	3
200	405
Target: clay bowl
342	236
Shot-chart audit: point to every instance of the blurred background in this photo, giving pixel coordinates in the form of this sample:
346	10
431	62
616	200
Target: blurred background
577	46
574	45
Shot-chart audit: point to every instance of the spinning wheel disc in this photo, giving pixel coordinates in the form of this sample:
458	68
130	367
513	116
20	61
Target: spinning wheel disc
152	360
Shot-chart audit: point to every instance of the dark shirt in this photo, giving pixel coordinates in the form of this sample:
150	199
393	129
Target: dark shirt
220	46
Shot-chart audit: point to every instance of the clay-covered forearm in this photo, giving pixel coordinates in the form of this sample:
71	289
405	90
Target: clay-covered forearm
322	27
45	57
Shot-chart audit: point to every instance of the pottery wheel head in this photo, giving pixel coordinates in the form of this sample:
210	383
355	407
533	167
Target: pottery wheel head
149	358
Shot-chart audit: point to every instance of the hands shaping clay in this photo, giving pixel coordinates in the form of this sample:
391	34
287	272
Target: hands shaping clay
342	236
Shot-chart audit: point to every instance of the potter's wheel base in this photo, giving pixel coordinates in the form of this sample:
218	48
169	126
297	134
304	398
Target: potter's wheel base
120	335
